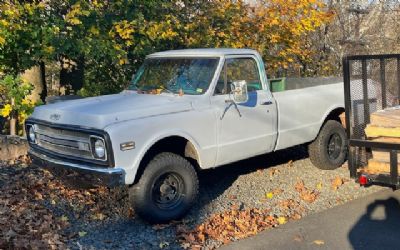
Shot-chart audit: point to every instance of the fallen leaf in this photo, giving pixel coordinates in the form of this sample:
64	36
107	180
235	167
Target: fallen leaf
201	237
309	196
232	197
299	186
337	182
163	244
305	193
277	191
99	216
269	195
190	238
281	220
131	213
319	242
82	233
196	247
319	185
273	172
38	196
296	216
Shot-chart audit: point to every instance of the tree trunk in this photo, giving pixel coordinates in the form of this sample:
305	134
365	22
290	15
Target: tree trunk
43	94
72	75
13	120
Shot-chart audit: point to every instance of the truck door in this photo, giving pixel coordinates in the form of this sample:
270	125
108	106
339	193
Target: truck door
251	128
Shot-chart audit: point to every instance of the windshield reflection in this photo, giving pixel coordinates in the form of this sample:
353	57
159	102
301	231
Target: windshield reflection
175	75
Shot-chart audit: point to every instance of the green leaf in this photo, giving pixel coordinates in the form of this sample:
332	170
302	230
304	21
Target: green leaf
82	233
64	218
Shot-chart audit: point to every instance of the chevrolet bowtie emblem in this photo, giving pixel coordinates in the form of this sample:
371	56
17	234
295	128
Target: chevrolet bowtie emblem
55	117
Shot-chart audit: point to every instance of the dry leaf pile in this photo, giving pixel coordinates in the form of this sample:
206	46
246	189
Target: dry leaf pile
305	193
25	222
292	208
228	226
27	195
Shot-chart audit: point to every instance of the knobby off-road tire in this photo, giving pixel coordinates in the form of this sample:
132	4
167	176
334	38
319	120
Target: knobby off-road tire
329	150
167	189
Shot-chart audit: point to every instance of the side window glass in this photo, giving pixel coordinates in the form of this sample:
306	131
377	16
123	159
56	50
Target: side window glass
246	69
220	87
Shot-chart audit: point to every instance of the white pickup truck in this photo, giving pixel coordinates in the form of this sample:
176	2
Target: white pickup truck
185	110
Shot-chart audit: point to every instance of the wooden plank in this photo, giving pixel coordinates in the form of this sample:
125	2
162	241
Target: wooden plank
378	167
382	156
389	118
375	131
386	139
342	117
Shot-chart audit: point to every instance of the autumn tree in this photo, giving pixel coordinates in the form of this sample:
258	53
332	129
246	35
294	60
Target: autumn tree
275	28
109	39
24	36
103	42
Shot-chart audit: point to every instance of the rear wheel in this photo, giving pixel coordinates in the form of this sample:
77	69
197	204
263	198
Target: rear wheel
329	150
166	190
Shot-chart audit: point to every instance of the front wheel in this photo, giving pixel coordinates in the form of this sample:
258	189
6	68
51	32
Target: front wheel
166	190
329	150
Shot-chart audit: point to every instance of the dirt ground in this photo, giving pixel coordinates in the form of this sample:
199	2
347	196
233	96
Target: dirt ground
236	201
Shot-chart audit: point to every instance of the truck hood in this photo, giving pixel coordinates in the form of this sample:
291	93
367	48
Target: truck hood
98	112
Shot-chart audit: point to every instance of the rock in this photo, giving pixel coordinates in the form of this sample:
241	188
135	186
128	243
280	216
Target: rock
12	147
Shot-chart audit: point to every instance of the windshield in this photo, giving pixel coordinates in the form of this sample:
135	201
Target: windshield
176	75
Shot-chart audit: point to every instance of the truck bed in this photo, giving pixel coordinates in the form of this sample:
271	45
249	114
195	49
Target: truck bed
303	109
307	82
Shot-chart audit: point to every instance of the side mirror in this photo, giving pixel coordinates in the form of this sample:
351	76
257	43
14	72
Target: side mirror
239	91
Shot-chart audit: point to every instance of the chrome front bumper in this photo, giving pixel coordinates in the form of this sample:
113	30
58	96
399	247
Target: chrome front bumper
96	176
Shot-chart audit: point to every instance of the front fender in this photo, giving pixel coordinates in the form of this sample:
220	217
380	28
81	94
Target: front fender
146	132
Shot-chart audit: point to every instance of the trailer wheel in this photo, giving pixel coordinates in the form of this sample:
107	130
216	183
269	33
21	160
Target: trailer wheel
166	190
329	150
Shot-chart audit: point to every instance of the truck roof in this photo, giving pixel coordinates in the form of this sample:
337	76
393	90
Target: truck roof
203	52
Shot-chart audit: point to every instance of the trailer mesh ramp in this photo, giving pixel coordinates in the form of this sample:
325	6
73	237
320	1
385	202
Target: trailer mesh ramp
372	94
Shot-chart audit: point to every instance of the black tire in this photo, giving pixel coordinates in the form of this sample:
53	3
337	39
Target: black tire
329	150
167	189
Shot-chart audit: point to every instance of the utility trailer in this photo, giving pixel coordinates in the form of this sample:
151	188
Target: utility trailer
372	88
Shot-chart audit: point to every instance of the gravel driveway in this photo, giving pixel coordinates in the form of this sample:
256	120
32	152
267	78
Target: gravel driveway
264	182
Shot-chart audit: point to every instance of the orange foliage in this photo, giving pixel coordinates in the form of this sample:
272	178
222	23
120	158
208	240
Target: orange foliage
276	28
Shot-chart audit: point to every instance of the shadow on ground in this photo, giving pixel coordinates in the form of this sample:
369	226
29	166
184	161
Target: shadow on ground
378	228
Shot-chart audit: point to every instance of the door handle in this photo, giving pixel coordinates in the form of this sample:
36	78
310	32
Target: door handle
266	103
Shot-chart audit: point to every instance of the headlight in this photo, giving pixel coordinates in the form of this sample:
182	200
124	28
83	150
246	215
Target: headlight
98	147
31	134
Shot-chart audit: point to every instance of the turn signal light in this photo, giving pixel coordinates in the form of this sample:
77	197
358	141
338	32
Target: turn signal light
363	180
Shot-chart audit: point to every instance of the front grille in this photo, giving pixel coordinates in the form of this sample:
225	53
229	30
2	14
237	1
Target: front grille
64	142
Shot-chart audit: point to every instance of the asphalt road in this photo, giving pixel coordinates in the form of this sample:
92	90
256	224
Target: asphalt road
371	222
